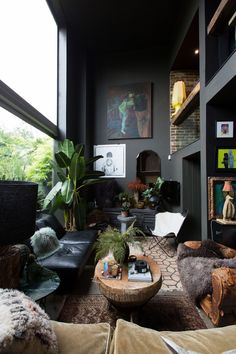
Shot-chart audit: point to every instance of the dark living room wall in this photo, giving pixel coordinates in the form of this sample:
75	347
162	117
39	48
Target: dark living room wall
134	67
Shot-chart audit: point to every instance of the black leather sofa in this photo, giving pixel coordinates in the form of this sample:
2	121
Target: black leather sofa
69	261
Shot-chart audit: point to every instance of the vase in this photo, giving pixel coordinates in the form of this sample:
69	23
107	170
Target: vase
136	197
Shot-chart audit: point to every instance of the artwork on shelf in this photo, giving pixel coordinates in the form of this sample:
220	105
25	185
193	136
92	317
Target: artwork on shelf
216	197
129	113
225	129
113	163
226	159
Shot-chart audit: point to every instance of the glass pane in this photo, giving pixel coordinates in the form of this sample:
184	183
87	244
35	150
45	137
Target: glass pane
28	60
25	153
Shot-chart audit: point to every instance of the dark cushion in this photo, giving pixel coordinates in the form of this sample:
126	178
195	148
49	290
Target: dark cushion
86	236
50	220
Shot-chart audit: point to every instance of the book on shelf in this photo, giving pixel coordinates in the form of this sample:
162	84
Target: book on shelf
133	275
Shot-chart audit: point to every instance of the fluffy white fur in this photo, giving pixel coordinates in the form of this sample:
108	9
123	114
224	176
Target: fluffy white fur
45	242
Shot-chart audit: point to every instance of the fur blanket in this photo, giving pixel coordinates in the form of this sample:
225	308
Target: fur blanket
195	268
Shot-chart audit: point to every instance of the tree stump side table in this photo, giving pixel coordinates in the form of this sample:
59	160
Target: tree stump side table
129	294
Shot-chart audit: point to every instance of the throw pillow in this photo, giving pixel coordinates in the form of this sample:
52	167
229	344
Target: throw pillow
45	242
24	326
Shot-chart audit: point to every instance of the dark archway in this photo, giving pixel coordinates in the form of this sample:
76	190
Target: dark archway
148	166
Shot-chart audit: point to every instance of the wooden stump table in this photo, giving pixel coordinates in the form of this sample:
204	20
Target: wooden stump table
129	294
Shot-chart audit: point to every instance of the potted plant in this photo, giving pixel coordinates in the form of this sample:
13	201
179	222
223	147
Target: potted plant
152	194
137	186
112	240
72	168
125	208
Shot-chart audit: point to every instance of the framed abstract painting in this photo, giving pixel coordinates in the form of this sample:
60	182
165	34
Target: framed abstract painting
129	114
226	159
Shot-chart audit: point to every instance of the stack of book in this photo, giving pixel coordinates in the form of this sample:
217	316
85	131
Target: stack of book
133	275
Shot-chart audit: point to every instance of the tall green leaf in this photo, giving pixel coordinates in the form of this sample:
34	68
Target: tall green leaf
93	159
62	159
60	173
79	149
52	194
67	191
67	147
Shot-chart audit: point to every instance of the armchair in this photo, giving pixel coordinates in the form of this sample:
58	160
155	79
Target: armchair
216	286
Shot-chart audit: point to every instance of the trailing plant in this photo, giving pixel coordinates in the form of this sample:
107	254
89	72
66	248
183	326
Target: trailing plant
72	169
112	240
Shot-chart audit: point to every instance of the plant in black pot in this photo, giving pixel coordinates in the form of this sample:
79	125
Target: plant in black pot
112	240
152	194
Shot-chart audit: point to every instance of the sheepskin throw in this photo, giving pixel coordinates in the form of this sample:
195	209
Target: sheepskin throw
24	326
195	268
45	242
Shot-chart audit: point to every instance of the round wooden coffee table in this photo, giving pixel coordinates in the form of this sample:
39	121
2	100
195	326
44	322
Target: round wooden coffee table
124	293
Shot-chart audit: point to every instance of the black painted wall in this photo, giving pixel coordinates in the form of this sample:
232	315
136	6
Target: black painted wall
124	68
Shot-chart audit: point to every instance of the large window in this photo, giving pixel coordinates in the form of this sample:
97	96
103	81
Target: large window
28	91
28	60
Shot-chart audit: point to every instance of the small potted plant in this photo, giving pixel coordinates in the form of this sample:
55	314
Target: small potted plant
152	194
112	240
125	208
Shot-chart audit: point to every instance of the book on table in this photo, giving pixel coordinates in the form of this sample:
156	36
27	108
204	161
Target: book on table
133	275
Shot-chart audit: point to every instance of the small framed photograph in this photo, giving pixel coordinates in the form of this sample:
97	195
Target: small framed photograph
226	159
225	129
113	163
216	197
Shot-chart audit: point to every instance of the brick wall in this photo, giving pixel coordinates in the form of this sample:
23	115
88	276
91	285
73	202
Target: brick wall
188	131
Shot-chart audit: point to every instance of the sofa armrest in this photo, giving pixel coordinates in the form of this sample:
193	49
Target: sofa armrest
220	307
227	252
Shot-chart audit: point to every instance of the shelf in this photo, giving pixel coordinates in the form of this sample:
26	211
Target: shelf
221	17
188	106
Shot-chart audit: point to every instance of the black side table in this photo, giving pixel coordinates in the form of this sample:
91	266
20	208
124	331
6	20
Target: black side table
223	233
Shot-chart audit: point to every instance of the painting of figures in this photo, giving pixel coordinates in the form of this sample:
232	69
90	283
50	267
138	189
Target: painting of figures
129	111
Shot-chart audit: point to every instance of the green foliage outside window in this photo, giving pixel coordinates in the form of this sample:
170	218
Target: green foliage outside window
24	157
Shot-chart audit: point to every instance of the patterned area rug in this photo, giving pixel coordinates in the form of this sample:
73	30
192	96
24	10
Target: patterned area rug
166	311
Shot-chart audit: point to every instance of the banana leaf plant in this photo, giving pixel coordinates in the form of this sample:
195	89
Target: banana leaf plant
75	175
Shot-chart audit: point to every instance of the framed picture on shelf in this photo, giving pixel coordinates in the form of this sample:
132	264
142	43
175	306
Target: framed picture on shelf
216	197
225	129
226	159
129	114
113	163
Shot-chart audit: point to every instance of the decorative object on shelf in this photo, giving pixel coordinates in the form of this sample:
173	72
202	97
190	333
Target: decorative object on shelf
137	186
178	95
114	241
226	159
228	207
72	169
216	197
224	129
129	111
113	161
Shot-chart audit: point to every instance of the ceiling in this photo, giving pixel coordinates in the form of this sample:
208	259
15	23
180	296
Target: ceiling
123	24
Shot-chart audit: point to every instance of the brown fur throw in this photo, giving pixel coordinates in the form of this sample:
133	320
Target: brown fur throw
195	267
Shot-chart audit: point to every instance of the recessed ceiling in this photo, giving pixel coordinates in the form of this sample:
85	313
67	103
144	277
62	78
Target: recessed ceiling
124	24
